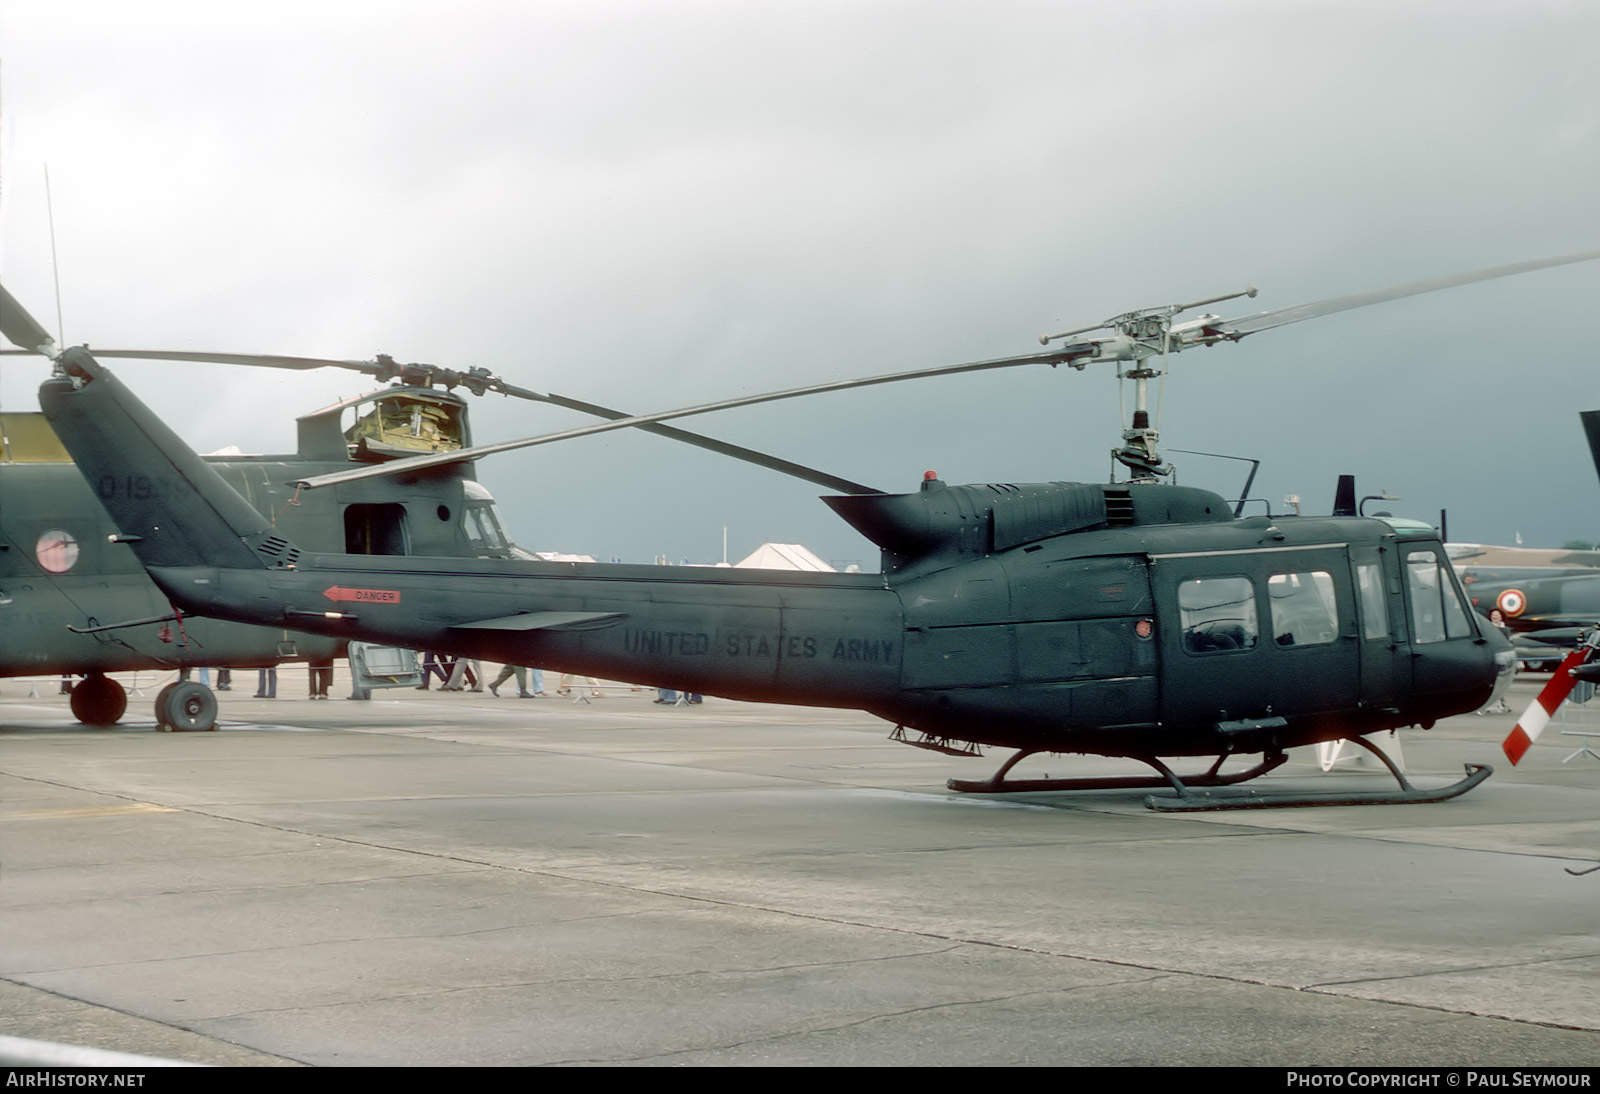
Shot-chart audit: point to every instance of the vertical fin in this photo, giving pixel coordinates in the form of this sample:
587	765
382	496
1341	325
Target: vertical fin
172	507
1591	430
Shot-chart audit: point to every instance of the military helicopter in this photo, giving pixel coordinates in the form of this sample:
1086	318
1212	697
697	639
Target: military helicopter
1136	619
75	601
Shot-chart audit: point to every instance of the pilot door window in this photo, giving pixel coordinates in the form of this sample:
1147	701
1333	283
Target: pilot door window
1304	611
1437	612
1219	614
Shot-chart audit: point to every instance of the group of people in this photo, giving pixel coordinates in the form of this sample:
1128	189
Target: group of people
466	674
266	680
454	674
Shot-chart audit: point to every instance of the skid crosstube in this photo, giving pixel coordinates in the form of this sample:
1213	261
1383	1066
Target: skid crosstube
1190	794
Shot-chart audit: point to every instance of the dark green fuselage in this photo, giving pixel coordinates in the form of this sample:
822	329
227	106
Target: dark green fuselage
1037	646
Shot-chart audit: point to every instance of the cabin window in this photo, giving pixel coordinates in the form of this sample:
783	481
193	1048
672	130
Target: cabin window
1437	612
1219	614
375	529
1304	611
1374	602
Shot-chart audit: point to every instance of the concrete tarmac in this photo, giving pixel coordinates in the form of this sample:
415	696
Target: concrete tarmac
430	879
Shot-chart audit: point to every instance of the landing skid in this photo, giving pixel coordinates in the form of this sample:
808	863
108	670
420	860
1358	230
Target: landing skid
999	784
1187	800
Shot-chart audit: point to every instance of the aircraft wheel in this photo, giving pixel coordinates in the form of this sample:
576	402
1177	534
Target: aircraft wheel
186	707
98	701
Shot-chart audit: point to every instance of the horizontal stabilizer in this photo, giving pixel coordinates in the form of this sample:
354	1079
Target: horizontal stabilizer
545	621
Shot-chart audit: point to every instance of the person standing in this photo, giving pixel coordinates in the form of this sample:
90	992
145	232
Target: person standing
506	672
321	679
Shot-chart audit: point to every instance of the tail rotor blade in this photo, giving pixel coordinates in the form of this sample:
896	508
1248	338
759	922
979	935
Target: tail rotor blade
1547	702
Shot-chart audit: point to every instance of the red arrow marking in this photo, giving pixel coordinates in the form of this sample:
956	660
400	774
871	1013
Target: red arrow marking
370	596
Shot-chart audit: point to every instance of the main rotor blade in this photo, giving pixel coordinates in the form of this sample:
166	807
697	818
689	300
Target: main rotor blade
1266	320
723	448
419	463
477	381
17	318
21	329
263	360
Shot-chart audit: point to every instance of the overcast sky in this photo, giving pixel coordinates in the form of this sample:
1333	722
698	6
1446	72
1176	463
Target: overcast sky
659	204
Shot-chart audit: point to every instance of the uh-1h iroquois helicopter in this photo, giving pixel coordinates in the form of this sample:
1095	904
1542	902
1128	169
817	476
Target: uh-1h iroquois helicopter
75	602
1135	619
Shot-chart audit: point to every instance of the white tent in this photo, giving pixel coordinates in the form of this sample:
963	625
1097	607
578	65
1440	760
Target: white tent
783	556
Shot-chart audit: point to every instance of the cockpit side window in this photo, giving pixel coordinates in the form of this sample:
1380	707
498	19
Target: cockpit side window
1304	608
484	532
1219	614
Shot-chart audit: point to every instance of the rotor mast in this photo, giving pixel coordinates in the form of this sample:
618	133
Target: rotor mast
1140	337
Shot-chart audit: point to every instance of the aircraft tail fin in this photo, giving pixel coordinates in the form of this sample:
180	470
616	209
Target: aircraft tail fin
1591	430
172	507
